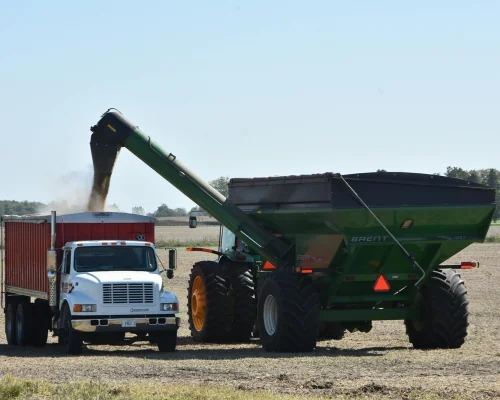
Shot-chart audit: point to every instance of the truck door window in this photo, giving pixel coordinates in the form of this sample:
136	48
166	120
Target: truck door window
66	262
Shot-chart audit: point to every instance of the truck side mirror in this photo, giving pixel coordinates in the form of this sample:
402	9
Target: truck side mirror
192	221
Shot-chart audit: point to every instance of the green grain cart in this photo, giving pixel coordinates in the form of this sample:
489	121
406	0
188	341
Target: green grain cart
309	257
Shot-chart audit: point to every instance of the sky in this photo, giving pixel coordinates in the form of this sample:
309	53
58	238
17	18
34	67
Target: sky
245	89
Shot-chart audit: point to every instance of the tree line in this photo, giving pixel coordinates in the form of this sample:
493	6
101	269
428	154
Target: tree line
489	177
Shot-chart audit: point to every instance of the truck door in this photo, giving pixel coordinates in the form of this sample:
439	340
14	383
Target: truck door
65	274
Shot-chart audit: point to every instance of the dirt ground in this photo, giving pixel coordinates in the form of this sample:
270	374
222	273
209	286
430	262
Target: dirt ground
378	363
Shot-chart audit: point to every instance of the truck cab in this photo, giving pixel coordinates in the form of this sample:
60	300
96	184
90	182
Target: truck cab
109	288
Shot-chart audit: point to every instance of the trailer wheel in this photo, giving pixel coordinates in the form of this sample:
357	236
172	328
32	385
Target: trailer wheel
71	339
331	331
10	324
244	305
445	313
288	313
208	303
41	317
166	341
24	332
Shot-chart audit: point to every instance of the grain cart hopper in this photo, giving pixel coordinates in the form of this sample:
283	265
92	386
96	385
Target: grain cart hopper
303	256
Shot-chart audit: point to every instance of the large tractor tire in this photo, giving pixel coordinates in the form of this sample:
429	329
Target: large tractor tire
288	313
331	331
445	316
208	303
243	305
24	326
10	323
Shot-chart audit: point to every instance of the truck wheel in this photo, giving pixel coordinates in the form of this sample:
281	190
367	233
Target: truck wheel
288	313
166	342
331	331
207	303
24	319
445	316
244	305
10	324
41	318
72	340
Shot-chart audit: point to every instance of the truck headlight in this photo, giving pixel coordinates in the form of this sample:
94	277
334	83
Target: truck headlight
84	308
168	307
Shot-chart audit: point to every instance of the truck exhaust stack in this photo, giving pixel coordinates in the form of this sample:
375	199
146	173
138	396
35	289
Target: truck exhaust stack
52	263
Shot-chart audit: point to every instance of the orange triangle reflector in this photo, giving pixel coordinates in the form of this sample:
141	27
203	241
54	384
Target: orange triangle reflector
268	266
381	284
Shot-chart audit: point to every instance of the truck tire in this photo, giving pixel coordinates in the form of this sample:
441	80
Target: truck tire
24	320
208	303
10	324
71	339
288	313
242	299
41	317
331	331
166	341
445	311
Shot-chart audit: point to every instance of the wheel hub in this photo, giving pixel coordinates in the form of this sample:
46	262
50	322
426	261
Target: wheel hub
198	303
270	315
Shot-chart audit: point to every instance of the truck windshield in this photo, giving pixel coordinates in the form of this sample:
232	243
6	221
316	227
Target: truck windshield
122	258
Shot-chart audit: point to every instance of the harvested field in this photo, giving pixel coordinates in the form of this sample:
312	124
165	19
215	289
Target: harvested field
378	364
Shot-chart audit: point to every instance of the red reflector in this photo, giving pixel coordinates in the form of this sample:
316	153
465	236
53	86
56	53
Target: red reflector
350	278
381	284
241	257
268	266
412	276
468	265
307	271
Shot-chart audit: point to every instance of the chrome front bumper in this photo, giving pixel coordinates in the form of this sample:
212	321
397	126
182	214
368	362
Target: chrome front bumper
118	324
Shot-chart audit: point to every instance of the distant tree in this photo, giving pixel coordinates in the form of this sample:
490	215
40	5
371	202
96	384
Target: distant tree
138	210
474	176
12	207
457	173
381	170
221	184
492	179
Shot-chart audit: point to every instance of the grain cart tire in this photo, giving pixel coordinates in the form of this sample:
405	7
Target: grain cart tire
207	303
10	324
445	313
166	341
288	313
24	326
72	340
243	303
41	316
331	331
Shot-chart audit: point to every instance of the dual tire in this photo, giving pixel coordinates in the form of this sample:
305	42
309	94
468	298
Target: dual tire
222	307
221	302
288	313
26	323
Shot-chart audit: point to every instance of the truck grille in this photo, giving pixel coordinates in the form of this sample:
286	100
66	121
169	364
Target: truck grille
127	293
